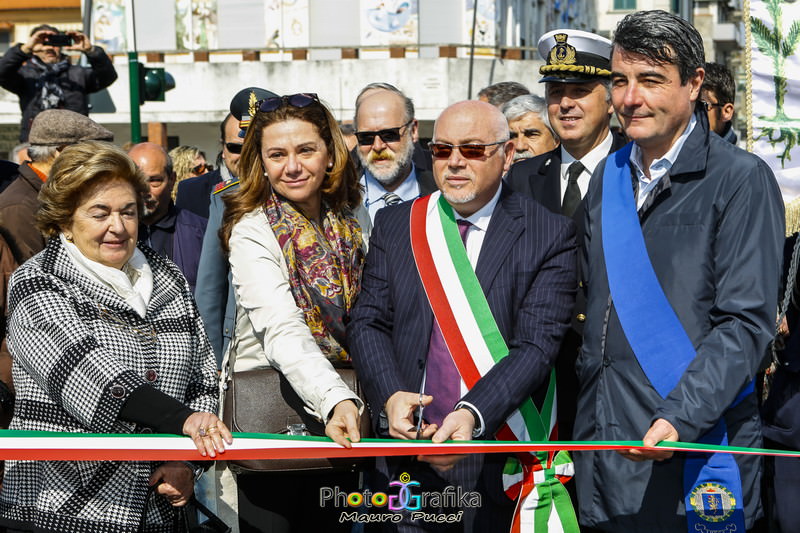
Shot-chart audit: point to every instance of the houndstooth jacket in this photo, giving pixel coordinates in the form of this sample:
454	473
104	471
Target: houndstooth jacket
78	351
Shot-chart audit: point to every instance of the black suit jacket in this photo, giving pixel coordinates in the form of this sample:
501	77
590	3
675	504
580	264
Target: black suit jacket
422	157
426	181
527	269
194	194
540	178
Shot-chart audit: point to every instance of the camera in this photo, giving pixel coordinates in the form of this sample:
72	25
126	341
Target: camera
58	39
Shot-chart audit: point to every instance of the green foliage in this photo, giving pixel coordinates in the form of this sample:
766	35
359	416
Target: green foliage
765	39
790	44
787	136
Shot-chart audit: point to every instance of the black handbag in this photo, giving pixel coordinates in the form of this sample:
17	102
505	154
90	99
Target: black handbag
185	518
189	523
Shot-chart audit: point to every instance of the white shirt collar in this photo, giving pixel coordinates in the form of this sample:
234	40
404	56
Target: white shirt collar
590	160
374	190
659	167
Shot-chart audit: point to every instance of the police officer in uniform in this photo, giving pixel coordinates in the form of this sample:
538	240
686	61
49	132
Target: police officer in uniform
214	292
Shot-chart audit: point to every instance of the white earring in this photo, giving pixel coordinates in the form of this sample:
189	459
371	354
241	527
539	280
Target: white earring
265	173
330	164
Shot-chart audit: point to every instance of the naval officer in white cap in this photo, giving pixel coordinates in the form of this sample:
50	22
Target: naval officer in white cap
577	75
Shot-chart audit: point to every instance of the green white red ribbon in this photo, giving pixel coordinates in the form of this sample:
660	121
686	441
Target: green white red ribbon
53	446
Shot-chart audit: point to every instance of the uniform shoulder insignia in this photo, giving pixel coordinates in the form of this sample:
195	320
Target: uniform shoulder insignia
223	185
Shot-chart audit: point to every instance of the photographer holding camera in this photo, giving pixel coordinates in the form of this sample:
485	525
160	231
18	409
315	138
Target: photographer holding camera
44	78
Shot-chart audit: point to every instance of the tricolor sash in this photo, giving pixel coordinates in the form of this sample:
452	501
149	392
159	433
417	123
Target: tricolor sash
712	485
476	345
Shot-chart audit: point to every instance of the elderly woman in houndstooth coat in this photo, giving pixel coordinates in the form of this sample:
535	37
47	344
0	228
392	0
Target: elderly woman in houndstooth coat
105	338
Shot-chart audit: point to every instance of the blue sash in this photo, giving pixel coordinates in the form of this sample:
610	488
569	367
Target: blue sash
712	485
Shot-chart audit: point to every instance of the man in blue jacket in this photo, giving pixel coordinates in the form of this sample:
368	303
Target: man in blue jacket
684	238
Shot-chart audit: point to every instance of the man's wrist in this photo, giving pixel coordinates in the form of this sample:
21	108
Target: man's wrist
197	470
477	431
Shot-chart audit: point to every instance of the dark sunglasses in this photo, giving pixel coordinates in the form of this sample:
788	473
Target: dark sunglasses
202	168
295	100
389	135
234	148
469	151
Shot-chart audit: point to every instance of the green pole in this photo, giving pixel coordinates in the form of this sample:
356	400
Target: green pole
133	74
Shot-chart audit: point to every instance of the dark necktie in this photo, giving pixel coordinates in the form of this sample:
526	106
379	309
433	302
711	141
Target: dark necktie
572	196
442	380
391	198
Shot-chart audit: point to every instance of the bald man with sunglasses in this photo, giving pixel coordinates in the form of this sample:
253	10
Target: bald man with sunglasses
518	263
386	133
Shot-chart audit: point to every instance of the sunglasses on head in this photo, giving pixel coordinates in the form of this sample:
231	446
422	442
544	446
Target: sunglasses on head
468	151
295	100
389	135
234	148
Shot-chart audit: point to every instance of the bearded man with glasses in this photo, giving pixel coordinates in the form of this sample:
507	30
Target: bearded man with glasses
423	375
386	131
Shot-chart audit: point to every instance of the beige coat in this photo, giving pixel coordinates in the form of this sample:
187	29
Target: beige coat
270	329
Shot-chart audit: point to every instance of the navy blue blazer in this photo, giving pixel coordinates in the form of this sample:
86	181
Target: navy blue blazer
194	193
527	269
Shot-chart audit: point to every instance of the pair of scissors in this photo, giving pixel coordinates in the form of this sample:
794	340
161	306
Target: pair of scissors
420	410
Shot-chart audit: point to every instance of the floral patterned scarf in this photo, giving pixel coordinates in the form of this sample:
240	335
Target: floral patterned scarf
325	266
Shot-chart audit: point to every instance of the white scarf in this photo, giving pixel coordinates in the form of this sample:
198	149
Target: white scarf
133	282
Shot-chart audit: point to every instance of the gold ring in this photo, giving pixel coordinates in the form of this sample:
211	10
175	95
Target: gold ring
213	428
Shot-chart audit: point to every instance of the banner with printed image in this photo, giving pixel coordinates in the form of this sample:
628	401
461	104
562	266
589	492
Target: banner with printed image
196	24
775	89
485	24
287	23
108	26
389	22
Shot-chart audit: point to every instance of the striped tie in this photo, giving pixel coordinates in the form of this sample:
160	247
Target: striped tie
391	198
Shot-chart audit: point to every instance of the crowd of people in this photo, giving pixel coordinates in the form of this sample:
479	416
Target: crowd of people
642	262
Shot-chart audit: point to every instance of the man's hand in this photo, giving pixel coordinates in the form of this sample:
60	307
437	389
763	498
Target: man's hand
661	430
783	327
80	42
400	409
458	425
37	38
342	426
176	482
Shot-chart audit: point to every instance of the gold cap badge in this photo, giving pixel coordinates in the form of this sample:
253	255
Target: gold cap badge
562	53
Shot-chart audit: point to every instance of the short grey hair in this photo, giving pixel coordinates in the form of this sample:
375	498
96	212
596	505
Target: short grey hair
503	92
528	103
17	149
408	103
41	154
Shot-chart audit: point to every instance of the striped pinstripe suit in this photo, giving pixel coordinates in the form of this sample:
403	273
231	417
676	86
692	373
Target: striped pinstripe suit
527	269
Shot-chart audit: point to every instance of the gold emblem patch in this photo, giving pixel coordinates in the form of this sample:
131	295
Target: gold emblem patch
562	53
